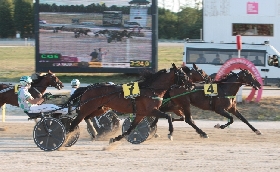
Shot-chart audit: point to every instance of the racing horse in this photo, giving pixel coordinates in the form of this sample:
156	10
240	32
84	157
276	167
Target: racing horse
195	75
80	31
223	103
118	35
56	29
101	32
100	97
39	84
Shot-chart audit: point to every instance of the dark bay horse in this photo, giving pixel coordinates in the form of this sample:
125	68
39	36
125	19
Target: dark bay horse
194	75
39	84
99	97
224	103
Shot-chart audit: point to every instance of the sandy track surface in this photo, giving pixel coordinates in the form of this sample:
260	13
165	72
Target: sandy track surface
235	148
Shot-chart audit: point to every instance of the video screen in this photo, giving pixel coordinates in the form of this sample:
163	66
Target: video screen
87	36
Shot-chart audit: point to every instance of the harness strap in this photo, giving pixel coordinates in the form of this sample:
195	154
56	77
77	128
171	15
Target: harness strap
185	93
36	90
133	106
157	98
230	97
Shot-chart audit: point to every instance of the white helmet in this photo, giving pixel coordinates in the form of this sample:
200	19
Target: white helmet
25	80
75	83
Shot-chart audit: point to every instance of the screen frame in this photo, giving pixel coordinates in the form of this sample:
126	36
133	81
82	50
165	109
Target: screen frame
62	69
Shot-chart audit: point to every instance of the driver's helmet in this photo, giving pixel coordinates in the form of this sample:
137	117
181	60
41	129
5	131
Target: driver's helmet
25	80
75	83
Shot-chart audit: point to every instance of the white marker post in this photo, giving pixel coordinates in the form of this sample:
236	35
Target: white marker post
239	47
239	44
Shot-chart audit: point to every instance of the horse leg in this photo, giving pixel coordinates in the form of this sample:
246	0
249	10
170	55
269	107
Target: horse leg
133	125
227	115
179	113
154	122
189	120
87	119
75	122
239	116
158	114
90	127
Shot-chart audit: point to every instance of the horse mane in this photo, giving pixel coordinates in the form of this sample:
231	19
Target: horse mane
227	76
148	77
186	69
80	91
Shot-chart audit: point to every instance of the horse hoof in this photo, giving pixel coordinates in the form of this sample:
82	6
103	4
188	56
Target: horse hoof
111	141
170	137
217	126
157	135
204	136
258	132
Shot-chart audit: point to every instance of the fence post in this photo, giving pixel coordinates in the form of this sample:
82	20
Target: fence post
3	112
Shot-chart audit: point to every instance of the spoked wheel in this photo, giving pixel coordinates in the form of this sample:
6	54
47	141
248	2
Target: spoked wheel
139	134
73	138
49	134
115	120
103	124
153	129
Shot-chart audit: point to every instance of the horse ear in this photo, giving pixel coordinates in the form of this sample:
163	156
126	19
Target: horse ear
41	74
194	66
49	71
174	66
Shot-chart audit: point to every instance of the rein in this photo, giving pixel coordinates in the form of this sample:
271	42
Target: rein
185	93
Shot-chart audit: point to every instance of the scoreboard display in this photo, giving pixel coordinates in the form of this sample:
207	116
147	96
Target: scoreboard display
71	36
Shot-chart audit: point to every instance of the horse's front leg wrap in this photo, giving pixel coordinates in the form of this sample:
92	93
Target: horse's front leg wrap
91	128
171	129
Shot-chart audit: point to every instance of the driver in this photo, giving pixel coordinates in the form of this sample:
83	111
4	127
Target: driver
31	105
75	83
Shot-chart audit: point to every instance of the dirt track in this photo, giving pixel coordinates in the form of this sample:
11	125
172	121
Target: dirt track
233	149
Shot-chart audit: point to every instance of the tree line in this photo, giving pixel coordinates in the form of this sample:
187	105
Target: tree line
17	16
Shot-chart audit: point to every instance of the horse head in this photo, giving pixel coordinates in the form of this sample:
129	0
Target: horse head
196	75
181	78
47	79
247	77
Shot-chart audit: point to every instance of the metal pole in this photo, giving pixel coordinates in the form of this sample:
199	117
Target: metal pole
201	35
3	112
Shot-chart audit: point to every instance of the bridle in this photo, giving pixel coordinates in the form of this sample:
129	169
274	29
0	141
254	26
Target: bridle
251	83
182	79
53	83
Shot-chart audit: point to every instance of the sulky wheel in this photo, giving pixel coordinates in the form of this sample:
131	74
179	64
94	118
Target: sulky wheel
103	125
49	134
153	129
72	138
115	120
139	134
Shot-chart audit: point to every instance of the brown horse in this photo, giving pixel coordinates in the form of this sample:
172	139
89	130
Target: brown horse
38	87
223	104
195	75
99	97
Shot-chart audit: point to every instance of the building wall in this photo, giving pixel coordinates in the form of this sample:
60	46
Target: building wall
219	15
